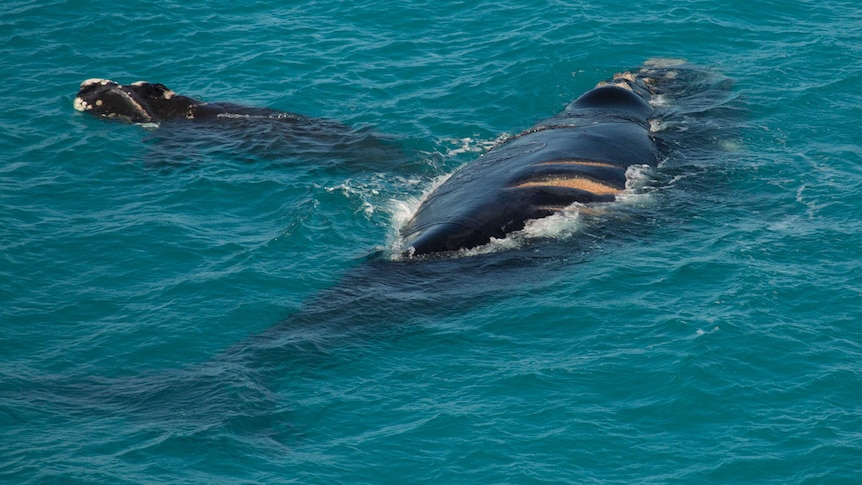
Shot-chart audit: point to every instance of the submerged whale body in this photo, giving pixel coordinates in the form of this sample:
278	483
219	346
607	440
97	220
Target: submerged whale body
581	155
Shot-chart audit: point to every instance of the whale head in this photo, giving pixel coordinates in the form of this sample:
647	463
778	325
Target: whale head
139	102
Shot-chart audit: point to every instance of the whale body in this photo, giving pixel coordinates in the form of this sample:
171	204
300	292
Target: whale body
581	155
145	102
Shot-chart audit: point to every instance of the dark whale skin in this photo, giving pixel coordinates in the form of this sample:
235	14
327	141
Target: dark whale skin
579	155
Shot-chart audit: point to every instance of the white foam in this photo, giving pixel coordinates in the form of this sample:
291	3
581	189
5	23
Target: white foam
730	145
637	177
558	225
701	332
660	101
241	116
402	211
363	192
472	145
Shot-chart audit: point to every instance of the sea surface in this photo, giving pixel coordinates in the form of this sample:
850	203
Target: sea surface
185	303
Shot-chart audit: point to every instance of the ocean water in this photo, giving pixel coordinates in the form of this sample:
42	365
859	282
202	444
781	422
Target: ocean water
195	304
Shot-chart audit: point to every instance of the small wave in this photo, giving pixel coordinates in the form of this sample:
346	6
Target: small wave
364	192
701	332
149	125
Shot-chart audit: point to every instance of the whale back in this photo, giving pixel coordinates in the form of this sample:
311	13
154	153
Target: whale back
612	98
581	155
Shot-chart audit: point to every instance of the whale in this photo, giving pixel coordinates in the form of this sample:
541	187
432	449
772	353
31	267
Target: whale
179	123
146	102
579	156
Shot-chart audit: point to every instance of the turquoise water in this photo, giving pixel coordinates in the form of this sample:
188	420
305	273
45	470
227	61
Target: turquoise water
189	306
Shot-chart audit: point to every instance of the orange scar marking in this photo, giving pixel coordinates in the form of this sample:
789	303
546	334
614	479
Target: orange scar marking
572	183
579	162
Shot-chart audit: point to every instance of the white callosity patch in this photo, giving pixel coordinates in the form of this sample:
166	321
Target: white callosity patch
81	105
95	80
